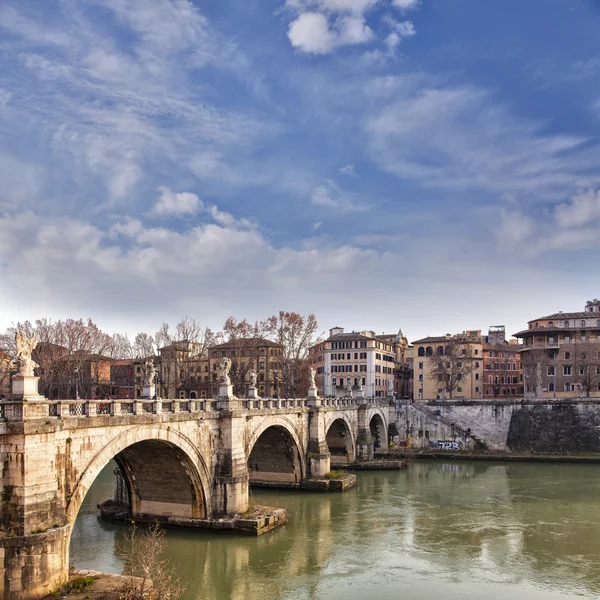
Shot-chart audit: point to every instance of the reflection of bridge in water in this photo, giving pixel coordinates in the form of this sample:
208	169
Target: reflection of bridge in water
473	529
179	458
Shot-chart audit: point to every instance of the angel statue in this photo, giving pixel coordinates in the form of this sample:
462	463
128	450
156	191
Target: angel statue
224	368
311	378
25	345
149	372
253	378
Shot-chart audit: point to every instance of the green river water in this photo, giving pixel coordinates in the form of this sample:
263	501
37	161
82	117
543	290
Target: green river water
439	531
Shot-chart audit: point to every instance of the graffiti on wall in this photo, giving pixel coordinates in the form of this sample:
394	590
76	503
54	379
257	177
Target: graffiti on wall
445	445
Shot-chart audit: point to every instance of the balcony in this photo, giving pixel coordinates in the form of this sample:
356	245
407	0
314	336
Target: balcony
538	346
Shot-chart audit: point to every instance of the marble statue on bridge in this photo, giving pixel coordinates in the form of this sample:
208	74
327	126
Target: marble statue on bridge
149	373
25	345
311	378
224	368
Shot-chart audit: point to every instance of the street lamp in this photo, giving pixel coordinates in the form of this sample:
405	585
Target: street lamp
76	382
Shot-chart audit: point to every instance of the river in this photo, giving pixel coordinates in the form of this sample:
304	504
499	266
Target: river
439	530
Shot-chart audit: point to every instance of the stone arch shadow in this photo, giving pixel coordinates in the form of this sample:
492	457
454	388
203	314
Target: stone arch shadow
131	449
340	441
378	426
275	454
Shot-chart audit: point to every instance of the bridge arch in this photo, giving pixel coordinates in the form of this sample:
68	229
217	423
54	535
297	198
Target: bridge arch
378	428
146	453
340	441
275	454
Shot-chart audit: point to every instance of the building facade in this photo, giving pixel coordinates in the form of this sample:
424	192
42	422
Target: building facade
502	373
561	354
352	360
459	355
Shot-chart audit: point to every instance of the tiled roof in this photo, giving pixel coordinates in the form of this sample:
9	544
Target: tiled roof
571	315
432	339
348	336
256	342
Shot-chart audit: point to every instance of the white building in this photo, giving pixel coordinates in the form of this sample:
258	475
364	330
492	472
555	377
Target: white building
357	359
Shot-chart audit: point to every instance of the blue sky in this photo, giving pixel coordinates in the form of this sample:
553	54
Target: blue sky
432	165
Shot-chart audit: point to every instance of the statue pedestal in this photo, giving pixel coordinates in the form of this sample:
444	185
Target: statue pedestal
360	393
225	391
253	393
25	385
149	391
313	397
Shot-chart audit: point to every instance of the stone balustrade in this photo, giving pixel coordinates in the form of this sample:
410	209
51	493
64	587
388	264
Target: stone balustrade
15	409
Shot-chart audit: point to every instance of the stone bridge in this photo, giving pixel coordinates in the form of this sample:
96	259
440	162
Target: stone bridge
179	458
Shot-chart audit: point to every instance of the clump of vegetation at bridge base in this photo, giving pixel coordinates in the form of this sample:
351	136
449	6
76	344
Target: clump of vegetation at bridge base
153	577
336	474
77	584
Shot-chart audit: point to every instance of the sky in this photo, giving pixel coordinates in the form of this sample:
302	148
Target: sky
429	165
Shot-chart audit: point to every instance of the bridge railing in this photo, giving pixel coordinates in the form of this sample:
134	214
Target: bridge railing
12	409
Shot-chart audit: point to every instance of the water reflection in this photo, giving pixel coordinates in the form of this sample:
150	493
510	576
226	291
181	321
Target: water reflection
466	530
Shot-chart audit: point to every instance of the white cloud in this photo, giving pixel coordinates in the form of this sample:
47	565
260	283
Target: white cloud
404	5
570	226
514	227
392	41
331	196
356	7
176	204
458	137
581	210
311	32
316	225
347	170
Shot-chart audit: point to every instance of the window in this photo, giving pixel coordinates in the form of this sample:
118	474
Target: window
567	370
567	355
421	366
581	370
551	339
567	387
420	376
421	351
476	389
477	364
476	376
550	324
551	371
356	356
348	356
565	323
582	323
459	389
567	339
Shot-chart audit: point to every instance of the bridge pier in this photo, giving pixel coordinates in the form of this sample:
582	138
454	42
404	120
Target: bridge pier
365	450
318	456
231	482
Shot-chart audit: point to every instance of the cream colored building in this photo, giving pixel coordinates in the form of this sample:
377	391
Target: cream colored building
355	359
427	387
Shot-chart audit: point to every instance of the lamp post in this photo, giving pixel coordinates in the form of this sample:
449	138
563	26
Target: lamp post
76	382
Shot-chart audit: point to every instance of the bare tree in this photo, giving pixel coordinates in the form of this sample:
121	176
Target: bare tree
144	552
534	362
450	368
295	334
587	364
182	356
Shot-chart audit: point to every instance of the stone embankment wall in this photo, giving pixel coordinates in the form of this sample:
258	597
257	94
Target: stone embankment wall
561	426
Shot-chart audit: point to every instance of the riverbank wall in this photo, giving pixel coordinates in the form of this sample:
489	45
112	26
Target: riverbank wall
517	426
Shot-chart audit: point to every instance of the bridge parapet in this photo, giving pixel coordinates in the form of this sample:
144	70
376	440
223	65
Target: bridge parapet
18	409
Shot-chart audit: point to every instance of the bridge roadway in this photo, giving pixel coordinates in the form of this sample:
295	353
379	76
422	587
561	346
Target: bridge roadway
181	458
